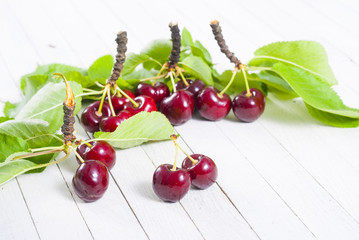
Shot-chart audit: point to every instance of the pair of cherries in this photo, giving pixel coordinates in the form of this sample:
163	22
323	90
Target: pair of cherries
92	177
93	120
213	105
172	184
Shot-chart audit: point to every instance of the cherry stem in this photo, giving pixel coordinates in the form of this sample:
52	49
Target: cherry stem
77	155
153	78
230	82
243	70
47	148
164	66
173	82
128	97
99	84
174	139
174	168
37	154
50	163
110	101
183	78
99	111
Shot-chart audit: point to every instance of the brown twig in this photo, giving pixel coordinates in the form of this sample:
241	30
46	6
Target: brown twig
176	46
120	57
217	32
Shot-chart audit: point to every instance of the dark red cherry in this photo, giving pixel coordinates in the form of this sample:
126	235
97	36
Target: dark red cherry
146	104
211	105
158	92
195	86
91	180
119	102
249	108
204	173
100	151
178	107
90	120
110	124
170	186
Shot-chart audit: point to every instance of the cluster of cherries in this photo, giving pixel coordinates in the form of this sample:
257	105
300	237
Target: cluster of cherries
171	184
92	177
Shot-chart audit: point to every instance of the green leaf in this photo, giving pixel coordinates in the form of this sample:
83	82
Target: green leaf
31	84
132	61
11	169
196	67
186	38
34	131
76	76
101	69
199	50
49	69
142	127
4	119
11	109
309	56
47	104
159	50
315	93
10	145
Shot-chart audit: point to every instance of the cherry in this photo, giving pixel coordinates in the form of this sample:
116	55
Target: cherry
119	102
146	103
170	185
213	106
178	107
249	108
203	173
99	150
109	124
158	92
90	119
91	180
195	87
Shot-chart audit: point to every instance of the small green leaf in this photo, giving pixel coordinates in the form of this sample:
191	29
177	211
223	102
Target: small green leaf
132	61
12	169
316	93
10	144
309	56
142	127
76	76
101	69
186	38
31	84
199	50
47	104
49	69
196	67
159	50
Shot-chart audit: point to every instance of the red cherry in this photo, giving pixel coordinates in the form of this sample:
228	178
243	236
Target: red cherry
204	173
158	92
178	107
119	102
249	108
170	185
211	105
90	120
91	180
195	87
146	104
110	124
100	151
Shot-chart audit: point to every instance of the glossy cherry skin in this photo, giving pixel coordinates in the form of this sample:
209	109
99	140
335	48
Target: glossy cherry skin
204	173
178	107
146	104
110	124
158	92
211	105
119	102
91	180
248	109
100	151
90	120
195	86
170	186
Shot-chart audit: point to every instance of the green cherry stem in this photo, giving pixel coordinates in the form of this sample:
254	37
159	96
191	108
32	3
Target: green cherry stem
37	154
174	139
173	82
77	155
47	148
99	84
174	168
183	78
50	163
99	111
243	70
230	82
153	78
110	101
128	97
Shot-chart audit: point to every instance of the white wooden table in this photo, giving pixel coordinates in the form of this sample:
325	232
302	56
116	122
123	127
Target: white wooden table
285	176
